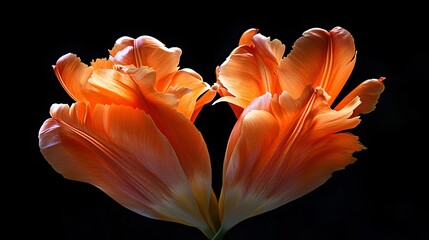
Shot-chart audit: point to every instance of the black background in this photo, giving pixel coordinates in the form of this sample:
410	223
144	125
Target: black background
381	196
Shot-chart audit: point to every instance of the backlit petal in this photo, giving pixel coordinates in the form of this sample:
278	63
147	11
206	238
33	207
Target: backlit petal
249	71
144	78
191	150
204	99
182	89
369	92
237	104
190	103
260	103
109	86
100	82
319	58
241	76
247	36
283	148
128	158
148	51
73	75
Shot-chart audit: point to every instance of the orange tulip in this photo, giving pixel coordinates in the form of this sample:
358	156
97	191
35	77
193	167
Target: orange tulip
131	133
289	138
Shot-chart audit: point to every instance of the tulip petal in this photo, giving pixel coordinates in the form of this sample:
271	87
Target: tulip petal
148	51
127	158
369	92
144	78
249	71
236	104
240	74
98	83
283	148
191	103
73	74
182	89
204	99
191	150
260	103
108	86
318	58
247	37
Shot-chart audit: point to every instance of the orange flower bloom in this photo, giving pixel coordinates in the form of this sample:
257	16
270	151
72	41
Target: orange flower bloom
131	132
289	138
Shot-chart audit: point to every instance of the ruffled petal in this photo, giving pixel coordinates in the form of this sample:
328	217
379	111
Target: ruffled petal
271	52
73	75
265	164
240	74
192	101
109	86
249	71
369	92
148	51
178	88
318	58
127	158
101	82
144	78
102	63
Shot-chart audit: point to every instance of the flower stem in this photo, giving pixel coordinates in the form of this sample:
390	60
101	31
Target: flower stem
219	235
